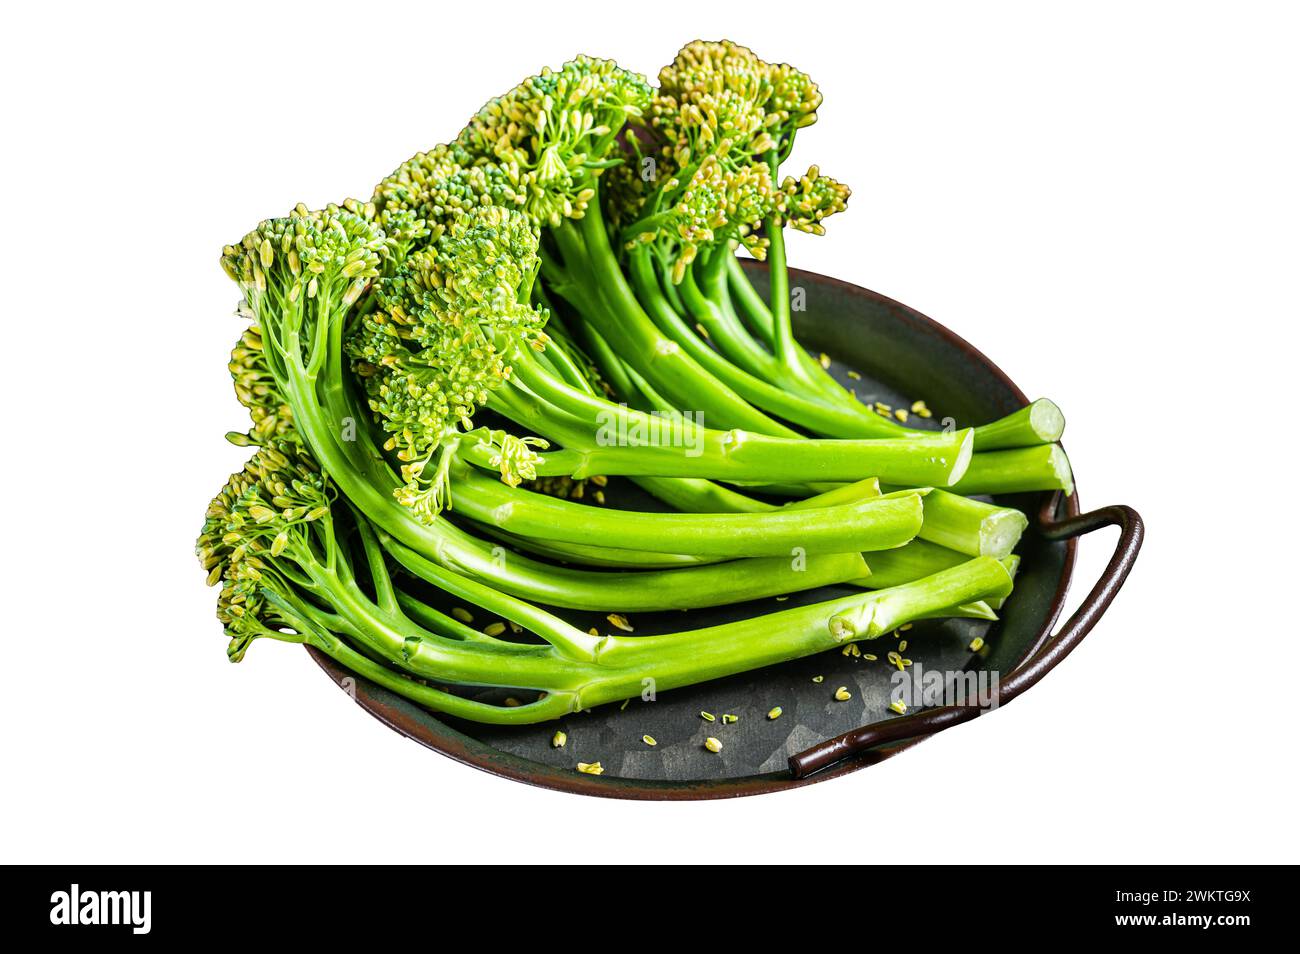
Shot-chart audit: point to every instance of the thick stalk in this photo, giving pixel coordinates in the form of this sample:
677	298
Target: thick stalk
1019	470
1038	423
971	526
870	524
615	440
976	579
920	558
623	666
596	555
681	659
638	591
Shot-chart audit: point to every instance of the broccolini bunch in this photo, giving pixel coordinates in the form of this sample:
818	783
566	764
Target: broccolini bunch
551	300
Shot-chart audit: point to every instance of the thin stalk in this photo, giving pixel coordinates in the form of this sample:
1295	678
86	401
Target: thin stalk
697	495
633	335
1040	422
763	391
756	314
553	705
731	339
753	310
440	623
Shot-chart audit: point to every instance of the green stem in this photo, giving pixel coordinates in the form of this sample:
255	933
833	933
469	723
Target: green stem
789	404
753	310
1038	423
971	526
625	325
722	500
585	554
976	579
550	706
680	659
870	524
687	588
603	438
733	341
1019	470
369	485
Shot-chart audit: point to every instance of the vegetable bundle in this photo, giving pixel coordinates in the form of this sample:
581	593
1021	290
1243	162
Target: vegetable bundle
443	379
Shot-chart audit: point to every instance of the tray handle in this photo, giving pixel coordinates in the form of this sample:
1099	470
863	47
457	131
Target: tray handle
1051	651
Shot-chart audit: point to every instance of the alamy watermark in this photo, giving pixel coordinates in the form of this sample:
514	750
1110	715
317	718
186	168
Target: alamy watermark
127	908
917	686
619	428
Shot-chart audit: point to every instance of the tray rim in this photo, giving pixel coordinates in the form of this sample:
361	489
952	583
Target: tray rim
469	751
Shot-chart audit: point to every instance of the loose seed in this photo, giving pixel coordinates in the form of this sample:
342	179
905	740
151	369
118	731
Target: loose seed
976	644
774	712
818	678
855	376
649	740
824	360
462	614
619	621
902	645
707	716
728	718
842	694
712	744
901	414
558	740
899	706
494	629
591	768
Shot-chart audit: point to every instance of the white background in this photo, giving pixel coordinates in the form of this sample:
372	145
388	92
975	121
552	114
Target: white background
1102	197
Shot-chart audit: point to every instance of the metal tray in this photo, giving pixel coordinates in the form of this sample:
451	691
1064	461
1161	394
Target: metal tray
901	355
